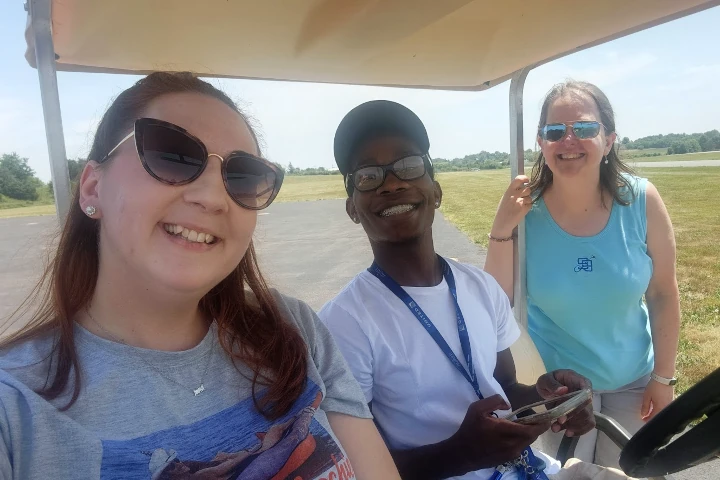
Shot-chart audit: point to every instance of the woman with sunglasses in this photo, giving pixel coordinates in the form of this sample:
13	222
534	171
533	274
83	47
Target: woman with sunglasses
157	350
602	295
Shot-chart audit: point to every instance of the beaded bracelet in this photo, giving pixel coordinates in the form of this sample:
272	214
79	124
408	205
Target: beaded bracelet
496	239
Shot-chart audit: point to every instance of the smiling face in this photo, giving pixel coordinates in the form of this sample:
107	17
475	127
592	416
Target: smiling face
156	235
572	157
398	211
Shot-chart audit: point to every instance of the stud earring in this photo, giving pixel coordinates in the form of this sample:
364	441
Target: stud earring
90	210
606	160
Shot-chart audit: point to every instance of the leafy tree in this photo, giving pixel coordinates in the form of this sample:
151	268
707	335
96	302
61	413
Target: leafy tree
18	167
14	188
692	145
712	142
17	179
677	147
75	168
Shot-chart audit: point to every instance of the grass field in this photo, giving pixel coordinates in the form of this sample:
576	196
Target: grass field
30	211
633	156
311	187
44	198
688	195
641	153
44	205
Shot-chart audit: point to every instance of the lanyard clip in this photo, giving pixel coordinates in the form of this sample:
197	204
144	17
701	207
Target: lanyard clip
529	467
501	469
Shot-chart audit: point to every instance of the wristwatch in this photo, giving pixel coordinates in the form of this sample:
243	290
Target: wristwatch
663	380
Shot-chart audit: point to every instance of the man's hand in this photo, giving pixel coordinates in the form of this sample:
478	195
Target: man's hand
560	382
485	441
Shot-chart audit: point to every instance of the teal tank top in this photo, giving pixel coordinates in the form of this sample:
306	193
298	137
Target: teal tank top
585	294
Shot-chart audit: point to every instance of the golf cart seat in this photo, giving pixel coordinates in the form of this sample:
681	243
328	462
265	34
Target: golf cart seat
528	363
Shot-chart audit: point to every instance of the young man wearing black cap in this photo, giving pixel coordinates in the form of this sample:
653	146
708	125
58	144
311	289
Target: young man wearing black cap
432	356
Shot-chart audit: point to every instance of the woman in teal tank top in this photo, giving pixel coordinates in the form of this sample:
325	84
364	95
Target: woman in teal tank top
602	291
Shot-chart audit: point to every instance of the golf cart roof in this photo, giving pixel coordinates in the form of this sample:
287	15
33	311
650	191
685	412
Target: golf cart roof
449	44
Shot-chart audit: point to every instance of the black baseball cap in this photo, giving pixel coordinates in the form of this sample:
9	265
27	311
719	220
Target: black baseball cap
374	118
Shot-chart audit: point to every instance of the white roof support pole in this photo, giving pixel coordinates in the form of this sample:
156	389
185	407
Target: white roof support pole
517	167
41	22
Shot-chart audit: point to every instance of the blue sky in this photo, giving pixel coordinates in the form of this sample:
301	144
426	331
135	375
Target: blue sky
662	80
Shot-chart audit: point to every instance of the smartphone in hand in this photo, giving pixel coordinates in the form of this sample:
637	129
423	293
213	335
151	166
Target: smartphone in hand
569	403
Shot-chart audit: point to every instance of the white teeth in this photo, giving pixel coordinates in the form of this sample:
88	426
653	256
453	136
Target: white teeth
189	235
397	209
570	156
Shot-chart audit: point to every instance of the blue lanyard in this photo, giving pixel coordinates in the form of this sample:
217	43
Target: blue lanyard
393	286
526	472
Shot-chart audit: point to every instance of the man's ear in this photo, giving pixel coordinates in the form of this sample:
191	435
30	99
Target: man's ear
89	189
351	210
438	193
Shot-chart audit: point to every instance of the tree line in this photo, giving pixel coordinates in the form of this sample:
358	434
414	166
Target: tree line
18	180
677	143
477	161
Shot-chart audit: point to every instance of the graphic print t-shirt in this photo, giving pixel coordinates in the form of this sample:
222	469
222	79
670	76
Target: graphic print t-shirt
138	415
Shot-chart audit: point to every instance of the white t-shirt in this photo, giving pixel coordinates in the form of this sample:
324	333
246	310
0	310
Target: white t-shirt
418	396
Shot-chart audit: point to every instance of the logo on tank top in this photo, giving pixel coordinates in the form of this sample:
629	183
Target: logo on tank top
584	264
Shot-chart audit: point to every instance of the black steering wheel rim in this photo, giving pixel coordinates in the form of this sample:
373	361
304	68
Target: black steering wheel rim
651	453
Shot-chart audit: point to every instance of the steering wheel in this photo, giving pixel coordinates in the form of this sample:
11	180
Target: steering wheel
651	453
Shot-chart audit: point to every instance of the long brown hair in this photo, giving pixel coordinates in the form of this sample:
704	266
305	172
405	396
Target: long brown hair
612	180
250	327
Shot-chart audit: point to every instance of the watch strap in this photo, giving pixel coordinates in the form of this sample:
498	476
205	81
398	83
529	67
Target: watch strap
663	380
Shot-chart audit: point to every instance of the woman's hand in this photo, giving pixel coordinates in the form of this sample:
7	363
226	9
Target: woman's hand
657	396
514	205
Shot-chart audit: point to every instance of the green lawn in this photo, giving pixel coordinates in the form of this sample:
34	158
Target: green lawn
300	188
642	153
671	158
44	205
687	193
30	211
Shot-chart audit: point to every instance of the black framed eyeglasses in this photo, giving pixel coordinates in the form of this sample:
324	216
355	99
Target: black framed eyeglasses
173	156
583	130
366	179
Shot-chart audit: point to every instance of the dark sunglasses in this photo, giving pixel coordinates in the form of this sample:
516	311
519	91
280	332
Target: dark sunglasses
173	156
554	132
366	179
